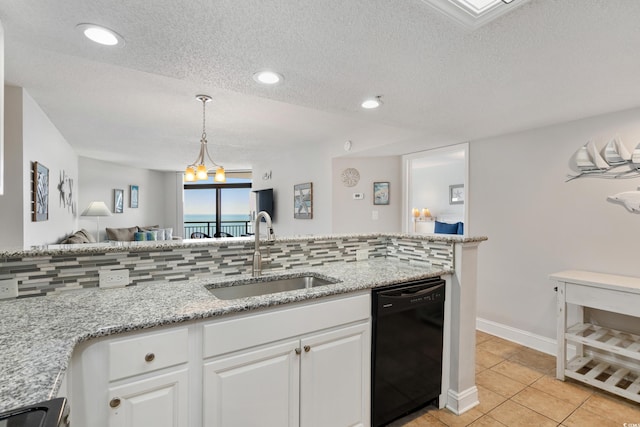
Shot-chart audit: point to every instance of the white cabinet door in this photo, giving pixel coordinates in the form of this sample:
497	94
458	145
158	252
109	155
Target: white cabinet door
335	378
257	388
161	401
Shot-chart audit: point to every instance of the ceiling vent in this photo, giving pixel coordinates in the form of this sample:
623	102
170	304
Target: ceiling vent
472	14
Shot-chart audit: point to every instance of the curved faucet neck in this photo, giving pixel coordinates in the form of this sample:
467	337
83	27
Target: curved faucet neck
256	227
257	258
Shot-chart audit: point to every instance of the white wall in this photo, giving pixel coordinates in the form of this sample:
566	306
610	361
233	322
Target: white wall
32	137
11	202
538	224
173	189
2	154
356	216
98	179
297	167
42	142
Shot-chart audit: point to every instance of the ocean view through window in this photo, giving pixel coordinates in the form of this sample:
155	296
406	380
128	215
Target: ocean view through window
216	209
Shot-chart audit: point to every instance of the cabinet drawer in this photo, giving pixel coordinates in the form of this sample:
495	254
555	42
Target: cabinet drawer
256	329
147	353
603	299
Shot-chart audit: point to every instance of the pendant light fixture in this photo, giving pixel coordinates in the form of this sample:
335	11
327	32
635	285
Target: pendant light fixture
198	170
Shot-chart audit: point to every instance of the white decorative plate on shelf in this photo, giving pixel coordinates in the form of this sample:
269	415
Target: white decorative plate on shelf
350	177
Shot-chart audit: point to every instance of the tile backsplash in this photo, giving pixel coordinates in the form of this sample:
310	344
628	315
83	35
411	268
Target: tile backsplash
54	272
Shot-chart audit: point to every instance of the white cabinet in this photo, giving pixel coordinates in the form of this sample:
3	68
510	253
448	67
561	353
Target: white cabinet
335	377
254	388
292	383
160	401
304	364
316	374
136	380
605	357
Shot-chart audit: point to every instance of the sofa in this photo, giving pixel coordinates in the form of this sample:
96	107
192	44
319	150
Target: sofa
138	233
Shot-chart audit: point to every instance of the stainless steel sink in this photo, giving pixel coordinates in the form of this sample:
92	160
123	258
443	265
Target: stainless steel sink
269	285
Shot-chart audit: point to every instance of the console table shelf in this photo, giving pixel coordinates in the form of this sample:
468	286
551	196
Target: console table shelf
611	340
605	358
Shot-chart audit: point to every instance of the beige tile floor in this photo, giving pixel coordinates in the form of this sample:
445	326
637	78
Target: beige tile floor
517	387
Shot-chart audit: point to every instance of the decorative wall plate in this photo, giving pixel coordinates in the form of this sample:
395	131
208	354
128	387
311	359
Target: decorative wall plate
350	177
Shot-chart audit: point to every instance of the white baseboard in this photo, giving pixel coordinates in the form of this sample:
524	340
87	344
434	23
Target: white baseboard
527	339
459	403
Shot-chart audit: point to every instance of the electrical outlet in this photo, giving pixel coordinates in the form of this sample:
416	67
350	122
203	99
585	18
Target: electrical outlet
362	254
8	288
114	278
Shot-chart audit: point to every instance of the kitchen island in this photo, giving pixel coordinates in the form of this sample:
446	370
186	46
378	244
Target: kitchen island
38	335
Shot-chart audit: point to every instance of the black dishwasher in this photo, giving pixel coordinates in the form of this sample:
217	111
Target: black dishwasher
406	354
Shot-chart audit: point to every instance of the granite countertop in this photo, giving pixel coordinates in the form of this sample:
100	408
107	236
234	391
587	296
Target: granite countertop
38	335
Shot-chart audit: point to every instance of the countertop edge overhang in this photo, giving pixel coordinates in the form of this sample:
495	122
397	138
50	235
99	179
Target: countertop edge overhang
110	247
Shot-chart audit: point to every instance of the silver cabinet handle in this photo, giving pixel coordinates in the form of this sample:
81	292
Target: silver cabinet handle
307	348
298	351
149	357
115	402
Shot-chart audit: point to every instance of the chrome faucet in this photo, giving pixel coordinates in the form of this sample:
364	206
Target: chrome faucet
257	257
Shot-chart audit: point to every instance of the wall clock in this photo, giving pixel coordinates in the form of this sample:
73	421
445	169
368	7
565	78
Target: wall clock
350	177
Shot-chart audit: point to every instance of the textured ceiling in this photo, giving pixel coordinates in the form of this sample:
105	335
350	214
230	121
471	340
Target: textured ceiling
544	62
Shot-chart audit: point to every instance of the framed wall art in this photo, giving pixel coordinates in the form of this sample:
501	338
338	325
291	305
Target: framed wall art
133	196
118	201
456	194
380	193
303	201
40	192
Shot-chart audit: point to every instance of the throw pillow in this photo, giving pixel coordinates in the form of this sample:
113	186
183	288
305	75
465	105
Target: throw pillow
168	233
89	238
160	232
121	234
445	228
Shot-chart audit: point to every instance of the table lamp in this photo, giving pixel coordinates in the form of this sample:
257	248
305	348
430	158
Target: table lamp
97	209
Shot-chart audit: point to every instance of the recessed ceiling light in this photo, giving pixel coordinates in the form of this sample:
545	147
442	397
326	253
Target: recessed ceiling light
101	35
267	77
371	103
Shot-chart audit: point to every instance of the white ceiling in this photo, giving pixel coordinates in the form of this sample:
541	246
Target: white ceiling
544	62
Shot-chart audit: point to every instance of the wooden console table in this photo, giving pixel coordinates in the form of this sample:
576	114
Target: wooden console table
605	357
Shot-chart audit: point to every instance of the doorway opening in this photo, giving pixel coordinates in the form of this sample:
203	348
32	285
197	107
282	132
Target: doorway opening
436	189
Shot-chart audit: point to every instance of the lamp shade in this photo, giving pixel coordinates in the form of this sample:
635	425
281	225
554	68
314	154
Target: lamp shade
189	174
96	209
220	176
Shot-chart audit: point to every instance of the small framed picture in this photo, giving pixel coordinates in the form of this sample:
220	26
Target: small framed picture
133	196
380	193
303	201
456	194
118	201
